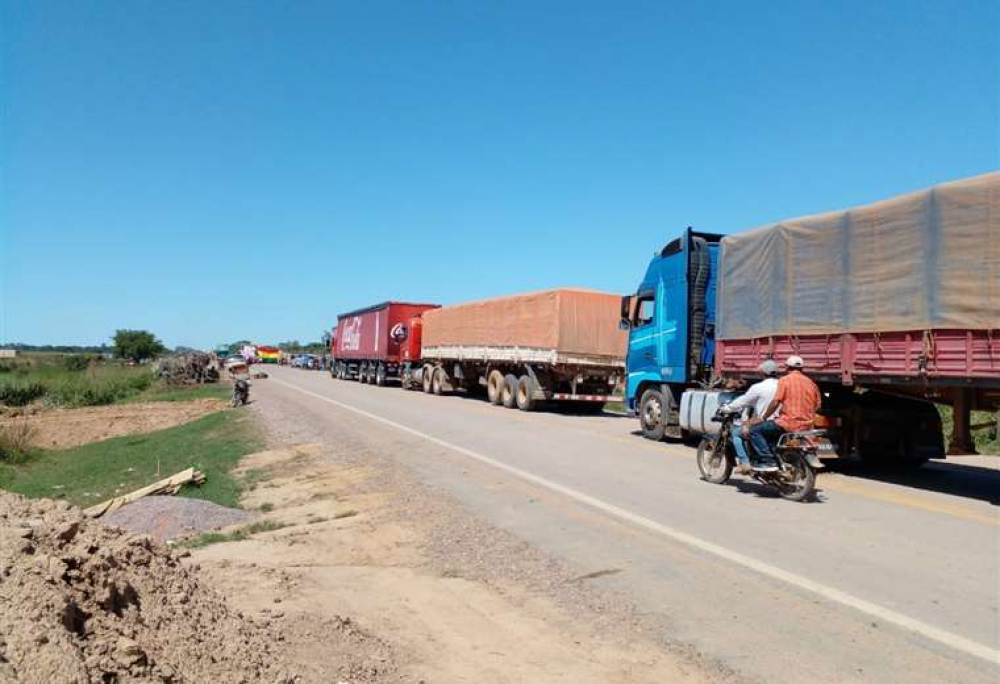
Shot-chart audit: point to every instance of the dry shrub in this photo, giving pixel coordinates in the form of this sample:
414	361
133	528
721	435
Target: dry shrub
15	441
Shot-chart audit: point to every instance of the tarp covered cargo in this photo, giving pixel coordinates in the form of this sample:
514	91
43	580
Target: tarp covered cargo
921	261
578	323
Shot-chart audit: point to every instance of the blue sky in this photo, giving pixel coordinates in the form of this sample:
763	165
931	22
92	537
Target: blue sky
215	171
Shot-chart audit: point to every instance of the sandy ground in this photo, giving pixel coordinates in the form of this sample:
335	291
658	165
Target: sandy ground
64	428
355	546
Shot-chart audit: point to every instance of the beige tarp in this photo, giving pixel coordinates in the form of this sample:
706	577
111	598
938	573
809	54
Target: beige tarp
569	321
928	259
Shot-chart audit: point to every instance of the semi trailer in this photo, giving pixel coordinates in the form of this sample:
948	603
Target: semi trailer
522	351
894	306
369	343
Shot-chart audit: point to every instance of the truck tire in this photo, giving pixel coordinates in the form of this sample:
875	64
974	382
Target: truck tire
437	381
380	375
525	393
426	378
653	415
509	395
494	387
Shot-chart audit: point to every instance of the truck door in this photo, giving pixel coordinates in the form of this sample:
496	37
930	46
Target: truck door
643	340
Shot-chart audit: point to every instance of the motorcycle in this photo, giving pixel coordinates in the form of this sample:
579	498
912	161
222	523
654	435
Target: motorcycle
241	393
797	454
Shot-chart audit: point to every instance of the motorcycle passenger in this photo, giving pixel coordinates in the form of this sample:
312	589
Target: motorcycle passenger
752	405
799	399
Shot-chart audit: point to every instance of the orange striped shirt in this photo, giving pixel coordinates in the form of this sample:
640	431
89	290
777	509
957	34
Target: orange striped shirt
800	398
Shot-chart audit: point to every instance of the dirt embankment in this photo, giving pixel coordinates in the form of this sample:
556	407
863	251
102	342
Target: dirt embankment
64	428
360	542
82	603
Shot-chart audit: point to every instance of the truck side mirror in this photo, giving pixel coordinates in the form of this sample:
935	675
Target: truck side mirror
626	309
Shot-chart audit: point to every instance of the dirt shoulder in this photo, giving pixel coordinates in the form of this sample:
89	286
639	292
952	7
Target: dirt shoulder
59	428
365	540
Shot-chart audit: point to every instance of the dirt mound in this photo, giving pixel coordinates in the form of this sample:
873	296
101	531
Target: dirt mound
81	603
169	517
64	428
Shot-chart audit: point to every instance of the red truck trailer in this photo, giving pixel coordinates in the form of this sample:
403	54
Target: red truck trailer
890	305
368	344
556	345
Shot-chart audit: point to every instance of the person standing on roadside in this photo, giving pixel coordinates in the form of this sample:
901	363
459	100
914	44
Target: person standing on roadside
798	397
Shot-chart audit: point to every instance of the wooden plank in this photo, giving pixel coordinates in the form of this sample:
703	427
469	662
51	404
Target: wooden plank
168	485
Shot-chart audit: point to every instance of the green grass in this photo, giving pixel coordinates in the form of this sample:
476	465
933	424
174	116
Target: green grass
209	538
72	381
58	382
160	391
987	441
91	473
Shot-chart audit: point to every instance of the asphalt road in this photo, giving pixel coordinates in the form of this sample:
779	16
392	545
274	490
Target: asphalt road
883	579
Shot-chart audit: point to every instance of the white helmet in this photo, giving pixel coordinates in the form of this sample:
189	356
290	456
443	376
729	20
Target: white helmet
769	368
795	362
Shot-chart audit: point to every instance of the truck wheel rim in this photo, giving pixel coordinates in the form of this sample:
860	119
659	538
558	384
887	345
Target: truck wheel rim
653	413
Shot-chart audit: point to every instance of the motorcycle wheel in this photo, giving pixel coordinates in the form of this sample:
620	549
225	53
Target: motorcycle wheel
796	481
714	466
234	402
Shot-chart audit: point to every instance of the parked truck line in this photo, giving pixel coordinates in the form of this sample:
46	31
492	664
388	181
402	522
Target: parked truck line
879	385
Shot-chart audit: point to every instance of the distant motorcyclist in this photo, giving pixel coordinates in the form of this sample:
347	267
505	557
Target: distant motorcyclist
799	398
752	405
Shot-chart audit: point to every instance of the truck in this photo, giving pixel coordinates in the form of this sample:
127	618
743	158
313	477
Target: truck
560	345
894	307
368	343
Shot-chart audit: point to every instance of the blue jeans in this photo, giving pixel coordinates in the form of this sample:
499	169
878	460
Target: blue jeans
738	444
762	436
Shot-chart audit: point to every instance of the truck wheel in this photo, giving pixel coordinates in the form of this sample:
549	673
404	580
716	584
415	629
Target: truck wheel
525	393
426	377
380	375
494	387
437	381
653	415
509	395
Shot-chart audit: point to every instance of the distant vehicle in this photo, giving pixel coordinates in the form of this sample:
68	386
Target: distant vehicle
305	361
554	346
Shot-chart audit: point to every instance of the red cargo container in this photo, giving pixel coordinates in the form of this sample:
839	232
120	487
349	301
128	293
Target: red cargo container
369	342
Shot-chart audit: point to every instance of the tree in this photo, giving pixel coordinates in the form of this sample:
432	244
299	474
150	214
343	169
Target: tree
137	345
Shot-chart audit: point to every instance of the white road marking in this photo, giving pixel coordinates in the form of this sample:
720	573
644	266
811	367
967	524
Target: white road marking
959	643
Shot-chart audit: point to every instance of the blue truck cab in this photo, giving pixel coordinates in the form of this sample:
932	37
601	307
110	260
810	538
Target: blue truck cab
671	324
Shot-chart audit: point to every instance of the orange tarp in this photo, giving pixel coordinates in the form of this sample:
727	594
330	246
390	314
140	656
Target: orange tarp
567	321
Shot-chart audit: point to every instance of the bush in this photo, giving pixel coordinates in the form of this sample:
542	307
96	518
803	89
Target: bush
99	391
15	442
21	393
76	362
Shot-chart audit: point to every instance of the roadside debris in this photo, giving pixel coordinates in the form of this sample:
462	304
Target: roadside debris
80	603
172	517
194	368
168	485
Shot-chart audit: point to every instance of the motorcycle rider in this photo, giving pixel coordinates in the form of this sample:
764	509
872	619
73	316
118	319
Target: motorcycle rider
799	399
752	404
